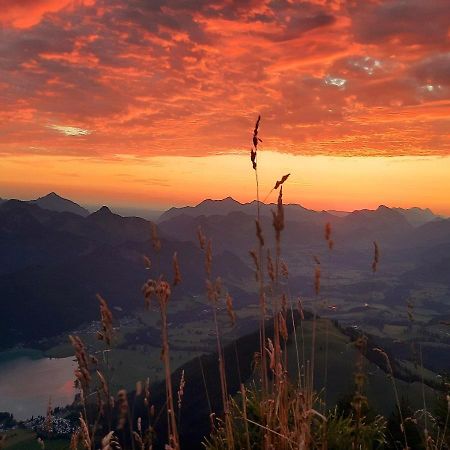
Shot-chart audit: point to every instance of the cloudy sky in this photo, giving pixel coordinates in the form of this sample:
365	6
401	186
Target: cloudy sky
152	102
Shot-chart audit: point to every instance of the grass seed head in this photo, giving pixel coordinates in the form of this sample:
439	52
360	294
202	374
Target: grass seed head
122	401
317	279
230	310
201	238
180	392
106	320
278	217
82	371
270	266
280	182
84	433
208	258
256	263
156	242
284	270
176	270
259	233
376	257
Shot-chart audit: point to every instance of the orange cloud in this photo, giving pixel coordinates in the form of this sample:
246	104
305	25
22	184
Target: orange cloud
26	13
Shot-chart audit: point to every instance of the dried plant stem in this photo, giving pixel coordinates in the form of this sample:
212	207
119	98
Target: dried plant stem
444	432
204	384
244	413
223	383
260	272
397	398
213	293
171	420
325	382
423	394
262	322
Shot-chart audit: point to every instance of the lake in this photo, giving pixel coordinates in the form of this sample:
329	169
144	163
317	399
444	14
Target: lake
28	380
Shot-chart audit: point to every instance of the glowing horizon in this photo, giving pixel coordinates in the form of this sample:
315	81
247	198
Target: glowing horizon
316	182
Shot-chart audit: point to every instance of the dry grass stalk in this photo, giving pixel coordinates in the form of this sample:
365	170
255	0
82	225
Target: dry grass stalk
214	291
280	182
180	392
255	141
317	276
201	238
376	257
109	442
284	270
82	372
84	434
394	386
259	234
122	401
230	310
138	440
256	263
149	291
147	262
208	258
283	326
176	270
156	242
330	241
75	440
160	289
104	387
106	319
278	218
163	293
359	399
270	267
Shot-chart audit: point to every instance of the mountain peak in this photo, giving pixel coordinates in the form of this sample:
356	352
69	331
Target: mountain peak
50	196
104	210
229	199
54	202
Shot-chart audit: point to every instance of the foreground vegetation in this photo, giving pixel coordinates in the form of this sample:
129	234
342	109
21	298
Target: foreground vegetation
285	395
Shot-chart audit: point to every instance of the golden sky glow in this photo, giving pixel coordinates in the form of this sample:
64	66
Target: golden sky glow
153	102
321	182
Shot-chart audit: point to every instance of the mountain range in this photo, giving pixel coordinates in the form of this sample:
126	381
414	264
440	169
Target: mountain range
294	212
55	255
53	263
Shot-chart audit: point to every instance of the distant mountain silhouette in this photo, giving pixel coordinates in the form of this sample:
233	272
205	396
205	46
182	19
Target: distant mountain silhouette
118	228
434	232
303	235
54	202
336	213
228	205
382	222
417	216
53	263
207	207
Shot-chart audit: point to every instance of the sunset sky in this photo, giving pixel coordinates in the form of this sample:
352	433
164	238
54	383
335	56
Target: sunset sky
152	102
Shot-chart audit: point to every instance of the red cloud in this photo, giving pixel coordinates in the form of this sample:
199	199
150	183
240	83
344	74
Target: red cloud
26	13
188	78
